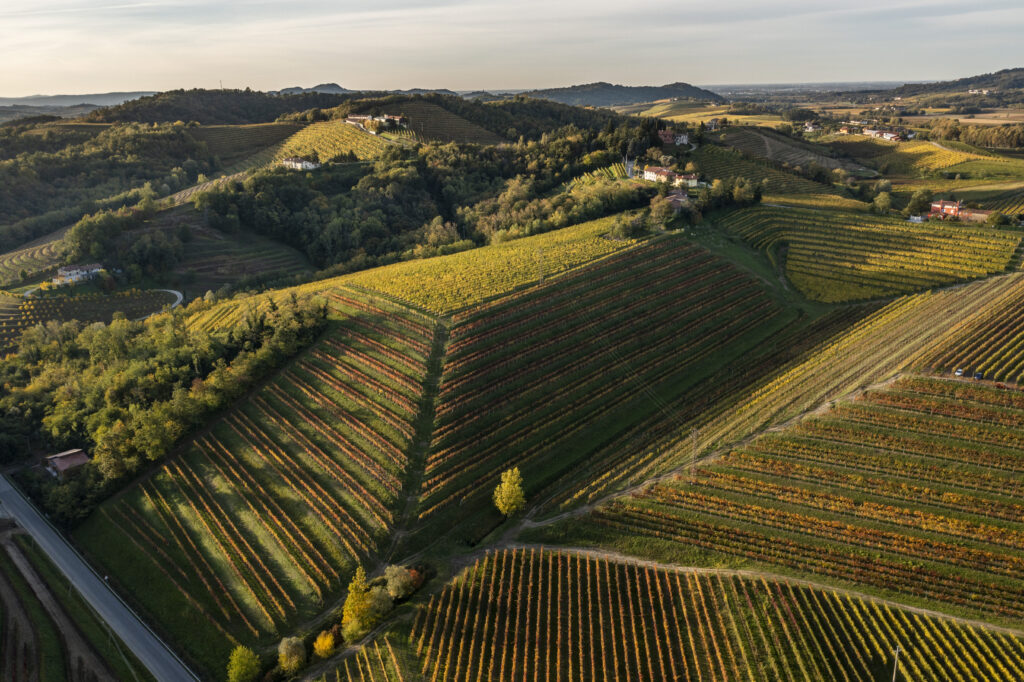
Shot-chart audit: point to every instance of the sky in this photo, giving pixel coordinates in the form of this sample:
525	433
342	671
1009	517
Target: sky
88	46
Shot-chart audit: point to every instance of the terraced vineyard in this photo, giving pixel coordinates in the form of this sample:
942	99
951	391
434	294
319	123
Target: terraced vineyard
212	258
330	140
84	308
35	259
911	490
546	379
260	522
531	615
990	344
616	171
835	257
435	123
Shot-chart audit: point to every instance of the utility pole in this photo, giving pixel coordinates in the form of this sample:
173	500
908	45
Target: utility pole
895	662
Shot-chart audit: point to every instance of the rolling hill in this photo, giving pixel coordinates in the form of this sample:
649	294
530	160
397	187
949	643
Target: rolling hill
608	95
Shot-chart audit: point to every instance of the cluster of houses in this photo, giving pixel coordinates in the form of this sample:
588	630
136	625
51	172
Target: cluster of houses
73	274
661	174
299	164
892	135
371	124
945	210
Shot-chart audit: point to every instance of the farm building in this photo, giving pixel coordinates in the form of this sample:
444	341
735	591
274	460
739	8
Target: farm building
62	463
682	138
888	135
975	215
811	127
946	209
714	124
70	274
296	163
687	180
658	174
678	200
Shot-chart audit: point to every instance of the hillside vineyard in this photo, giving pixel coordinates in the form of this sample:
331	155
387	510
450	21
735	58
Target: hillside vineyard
558	386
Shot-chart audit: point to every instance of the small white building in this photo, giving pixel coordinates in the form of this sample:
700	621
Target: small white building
295	163
686	180
683	139
72	274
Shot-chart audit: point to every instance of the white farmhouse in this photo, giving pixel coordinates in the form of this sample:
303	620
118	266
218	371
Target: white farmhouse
295	163
70	274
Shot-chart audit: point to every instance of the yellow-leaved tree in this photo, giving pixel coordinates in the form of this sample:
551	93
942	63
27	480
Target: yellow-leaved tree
508	495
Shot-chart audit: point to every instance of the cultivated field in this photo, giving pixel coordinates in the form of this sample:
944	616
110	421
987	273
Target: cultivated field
234	143
83	307
909	490
835	257
261	520
990	343
716	162
446	284
552	378
331	140
771	145
528	614
436	124
33	260
48	633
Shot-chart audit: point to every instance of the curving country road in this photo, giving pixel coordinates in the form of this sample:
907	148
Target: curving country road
163	663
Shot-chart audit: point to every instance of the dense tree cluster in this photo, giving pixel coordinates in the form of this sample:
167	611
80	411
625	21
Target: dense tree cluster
128	391
55	185
1003	137
116	239
518	211
420	201
213	106
511	118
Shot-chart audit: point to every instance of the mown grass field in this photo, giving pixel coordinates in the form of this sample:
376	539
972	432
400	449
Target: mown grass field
910	490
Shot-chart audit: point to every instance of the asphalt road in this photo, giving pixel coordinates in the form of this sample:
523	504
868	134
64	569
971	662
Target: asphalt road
147	647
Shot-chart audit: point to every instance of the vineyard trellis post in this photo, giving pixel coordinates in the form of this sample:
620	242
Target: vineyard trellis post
895	662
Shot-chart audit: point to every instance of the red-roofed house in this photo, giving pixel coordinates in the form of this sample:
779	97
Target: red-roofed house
946	209
63	462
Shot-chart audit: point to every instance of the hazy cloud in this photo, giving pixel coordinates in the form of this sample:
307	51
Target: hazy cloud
91	45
